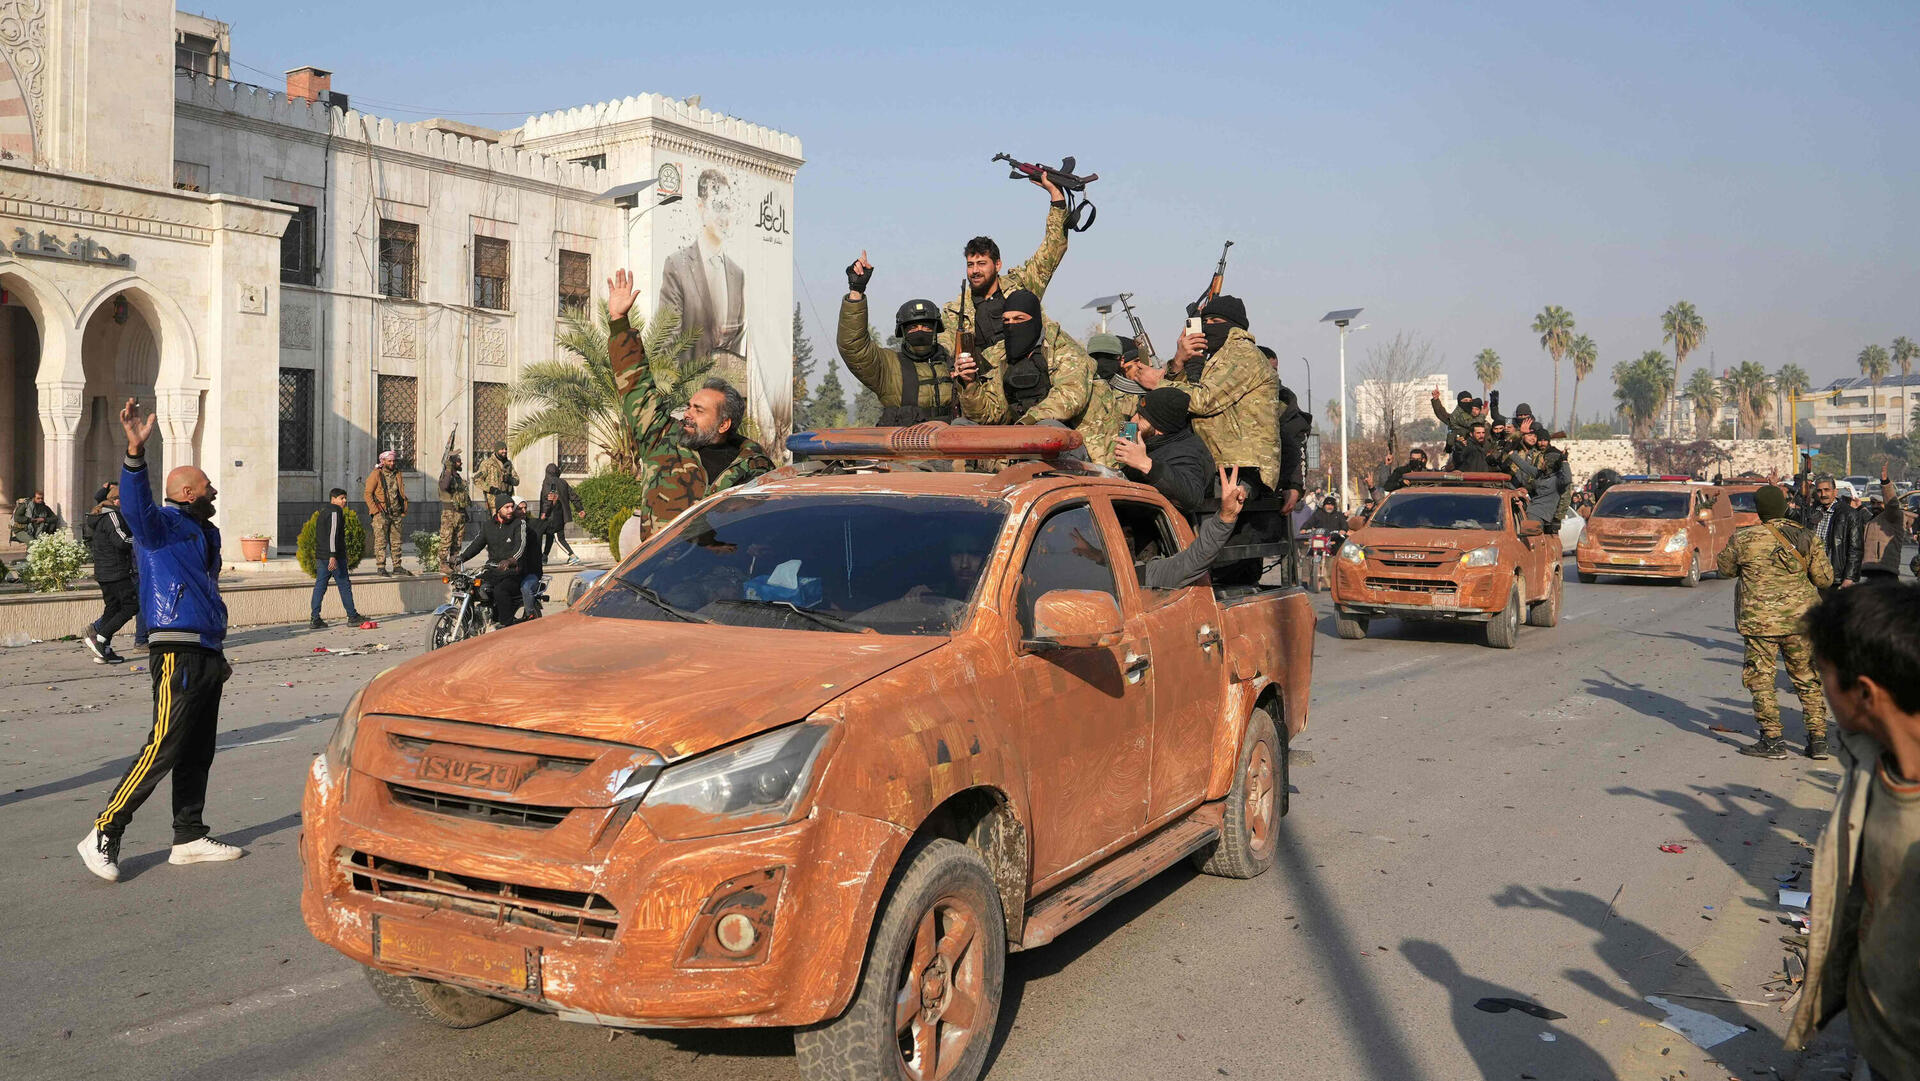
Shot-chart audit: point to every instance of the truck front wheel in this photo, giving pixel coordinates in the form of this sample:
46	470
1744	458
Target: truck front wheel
1347	626
437	1003
929	993
1251	829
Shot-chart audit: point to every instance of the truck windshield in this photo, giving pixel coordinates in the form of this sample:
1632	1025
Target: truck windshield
873	564
1619	504
1438	510
1743	501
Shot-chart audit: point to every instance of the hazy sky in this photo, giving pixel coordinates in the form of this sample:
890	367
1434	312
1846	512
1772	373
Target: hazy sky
1450	169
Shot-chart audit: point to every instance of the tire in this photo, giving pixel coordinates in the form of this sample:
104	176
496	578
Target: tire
1547	612
437	1003
1504	629
440	628
946	886
1692	577
1349	626
1586	578
1256	803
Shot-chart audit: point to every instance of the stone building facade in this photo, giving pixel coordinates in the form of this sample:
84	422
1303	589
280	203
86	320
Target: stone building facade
299	286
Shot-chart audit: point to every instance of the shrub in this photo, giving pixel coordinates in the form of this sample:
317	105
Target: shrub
53	561
607	500
426	548
356	542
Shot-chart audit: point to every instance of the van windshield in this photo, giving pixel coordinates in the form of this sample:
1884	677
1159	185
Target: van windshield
849	563
1619	504
1743	501
1438	510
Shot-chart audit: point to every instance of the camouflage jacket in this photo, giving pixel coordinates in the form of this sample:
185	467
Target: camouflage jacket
880	370
1069	369
494	475
1778	581
453	486
1236	406
671	474
1547	478
1107	410
386	492
1032	275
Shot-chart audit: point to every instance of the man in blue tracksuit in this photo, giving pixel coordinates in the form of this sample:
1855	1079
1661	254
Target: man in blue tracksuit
179	553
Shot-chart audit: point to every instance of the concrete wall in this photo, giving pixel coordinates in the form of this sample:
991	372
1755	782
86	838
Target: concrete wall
1587	456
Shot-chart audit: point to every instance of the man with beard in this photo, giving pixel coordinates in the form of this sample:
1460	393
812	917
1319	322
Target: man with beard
710	454
1416	463
1232	392
914	383
1476	453
386	497
179	553
1541	470
1035	374
987	288
1168	455
496	477
1837	528
1113	400
454	501
513	561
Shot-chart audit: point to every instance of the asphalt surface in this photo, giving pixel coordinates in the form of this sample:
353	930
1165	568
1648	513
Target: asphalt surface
1467	823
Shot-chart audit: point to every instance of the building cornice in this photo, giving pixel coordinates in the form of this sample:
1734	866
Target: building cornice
88	202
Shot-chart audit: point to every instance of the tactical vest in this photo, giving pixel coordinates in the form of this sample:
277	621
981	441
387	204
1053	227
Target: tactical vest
934	371
1027	381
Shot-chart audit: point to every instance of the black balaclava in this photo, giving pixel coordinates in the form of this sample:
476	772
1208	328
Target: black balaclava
918	343
1023	338
1231	309
1106	365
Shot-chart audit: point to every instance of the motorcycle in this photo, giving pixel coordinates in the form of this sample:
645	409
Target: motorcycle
468	612
1320	546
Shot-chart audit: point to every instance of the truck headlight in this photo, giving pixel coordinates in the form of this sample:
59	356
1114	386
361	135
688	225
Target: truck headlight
1353	553
752	784
340	745
1481	557
1677	542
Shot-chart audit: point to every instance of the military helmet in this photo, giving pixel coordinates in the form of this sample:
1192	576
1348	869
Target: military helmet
918	311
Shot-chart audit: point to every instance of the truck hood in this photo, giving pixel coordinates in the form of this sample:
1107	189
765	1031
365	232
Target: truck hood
1657	528
1455	540
676	688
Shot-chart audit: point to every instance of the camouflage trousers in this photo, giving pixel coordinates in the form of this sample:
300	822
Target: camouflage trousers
1759	674
453	534
389	539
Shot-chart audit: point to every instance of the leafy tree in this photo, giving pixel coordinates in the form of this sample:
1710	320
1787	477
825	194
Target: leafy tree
803	365
576	399
1681	327
1584	355
1486	368
1554	324
866	408
1332	412
607	500
830	401
1704	390
1874	364
1598	429
1640	387
1789	382
1904	354
1751	391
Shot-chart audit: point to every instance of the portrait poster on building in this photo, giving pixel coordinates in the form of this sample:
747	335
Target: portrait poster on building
723	258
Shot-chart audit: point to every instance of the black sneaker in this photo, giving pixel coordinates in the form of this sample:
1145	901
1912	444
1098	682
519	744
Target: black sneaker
317	623
402	571
385	573
114	658
95	644
1817	749
1766	747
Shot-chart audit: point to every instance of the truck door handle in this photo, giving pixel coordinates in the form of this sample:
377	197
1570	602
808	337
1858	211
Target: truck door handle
1136	666
1208	637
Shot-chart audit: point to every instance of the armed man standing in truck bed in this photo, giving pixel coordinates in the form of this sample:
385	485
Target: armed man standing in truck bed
913	383
979	308
710	452
1233	393
1781	567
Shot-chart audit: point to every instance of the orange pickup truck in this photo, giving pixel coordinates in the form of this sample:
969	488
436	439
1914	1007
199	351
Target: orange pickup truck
818	755
1656	529
1450	546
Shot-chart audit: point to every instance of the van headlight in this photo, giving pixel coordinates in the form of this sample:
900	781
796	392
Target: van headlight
756	783
1677	542
1481	557
1353	553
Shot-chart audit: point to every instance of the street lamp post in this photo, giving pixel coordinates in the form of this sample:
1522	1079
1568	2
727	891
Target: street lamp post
627	198
1341	319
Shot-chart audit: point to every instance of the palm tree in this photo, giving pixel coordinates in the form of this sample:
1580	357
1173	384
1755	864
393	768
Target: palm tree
1749	391
1584	355
1790	382
1554	324
1874	364
1486	368
1705	392
1904	354
1641	387
576	399
1683	328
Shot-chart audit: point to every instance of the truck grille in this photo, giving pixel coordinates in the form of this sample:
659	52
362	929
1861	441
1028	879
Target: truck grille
480	810
566	912
1414	585
1409	557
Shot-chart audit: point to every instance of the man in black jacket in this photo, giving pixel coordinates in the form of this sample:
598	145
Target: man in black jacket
1416	463
1169	454
1476	453
1838	527
113	569
511	547
330	562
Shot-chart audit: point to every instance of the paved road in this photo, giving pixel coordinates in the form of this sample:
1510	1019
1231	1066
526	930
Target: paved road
1463	819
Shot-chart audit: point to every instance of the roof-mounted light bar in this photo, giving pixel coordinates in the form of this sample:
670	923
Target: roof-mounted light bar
1439	477
936	439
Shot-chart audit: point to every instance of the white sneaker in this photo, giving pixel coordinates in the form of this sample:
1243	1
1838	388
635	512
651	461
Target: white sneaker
101	854
205	850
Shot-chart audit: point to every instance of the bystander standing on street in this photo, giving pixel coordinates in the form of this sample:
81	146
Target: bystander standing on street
387	510
179	552
558	505
1866	866
330	560
1781	567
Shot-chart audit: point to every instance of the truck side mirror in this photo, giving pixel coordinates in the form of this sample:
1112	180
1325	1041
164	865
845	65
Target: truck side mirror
1355	521
1531	528
1076	619
582	582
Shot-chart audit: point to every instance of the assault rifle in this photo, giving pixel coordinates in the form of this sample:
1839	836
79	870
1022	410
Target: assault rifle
960	342
1219	279
448	453
1072	186
1140	338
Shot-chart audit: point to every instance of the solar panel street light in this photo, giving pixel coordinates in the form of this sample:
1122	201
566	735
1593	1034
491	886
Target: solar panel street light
1342	317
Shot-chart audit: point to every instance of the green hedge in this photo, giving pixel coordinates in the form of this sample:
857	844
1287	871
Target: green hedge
356	542
607	501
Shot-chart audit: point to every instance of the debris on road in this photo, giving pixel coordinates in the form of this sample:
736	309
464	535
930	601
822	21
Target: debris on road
1674	848
1703	1029
1795	898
